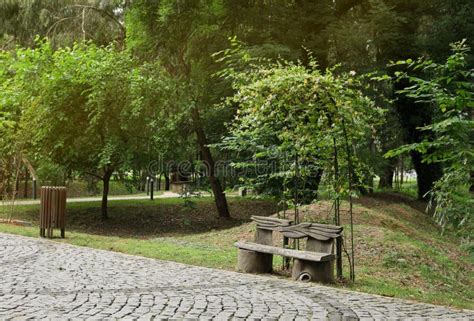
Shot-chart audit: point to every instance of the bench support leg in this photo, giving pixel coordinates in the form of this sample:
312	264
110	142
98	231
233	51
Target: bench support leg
319	271
254	262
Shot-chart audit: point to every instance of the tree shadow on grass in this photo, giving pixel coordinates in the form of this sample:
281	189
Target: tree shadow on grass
398	198
159	219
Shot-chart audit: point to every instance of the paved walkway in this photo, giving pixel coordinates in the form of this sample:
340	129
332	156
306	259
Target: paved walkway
44	279
166	194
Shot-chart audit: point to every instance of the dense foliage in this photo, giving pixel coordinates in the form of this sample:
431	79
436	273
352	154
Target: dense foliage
449	87
293	121
119	84
92	110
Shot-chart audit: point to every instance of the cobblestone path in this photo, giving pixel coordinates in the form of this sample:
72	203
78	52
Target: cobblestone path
44	279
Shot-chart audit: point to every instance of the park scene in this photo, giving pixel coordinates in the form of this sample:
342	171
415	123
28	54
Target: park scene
236	160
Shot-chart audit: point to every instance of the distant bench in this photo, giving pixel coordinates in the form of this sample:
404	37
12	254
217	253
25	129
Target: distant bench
315	263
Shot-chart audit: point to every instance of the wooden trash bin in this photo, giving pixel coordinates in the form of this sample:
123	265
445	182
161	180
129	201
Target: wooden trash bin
53	210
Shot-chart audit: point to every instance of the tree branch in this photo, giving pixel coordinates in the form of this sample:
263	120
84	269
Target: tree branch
94	175
56	23
342	6
106	14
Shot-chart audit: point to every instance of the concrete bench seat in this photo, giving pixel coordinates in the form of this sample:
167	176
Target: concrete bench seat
315	263
296	254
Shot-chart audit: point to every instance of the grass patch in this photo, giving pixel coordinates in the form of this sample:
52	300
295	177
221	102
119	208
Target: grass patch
150	219
163	229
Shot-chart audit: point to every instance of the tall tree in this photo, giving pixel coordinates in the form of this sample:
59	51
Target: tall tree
183	36
449	87
389	30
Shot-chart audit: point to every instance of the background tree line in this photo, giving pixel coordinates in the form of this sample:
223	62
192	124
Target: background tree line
152	64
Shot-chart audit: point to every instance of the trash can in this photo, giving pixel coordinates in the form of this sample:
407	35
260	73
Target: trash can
53	210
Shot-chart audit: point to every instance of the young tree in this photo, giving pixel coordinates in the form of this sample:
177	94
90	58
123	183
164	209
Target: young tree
302	118
94	110
12	96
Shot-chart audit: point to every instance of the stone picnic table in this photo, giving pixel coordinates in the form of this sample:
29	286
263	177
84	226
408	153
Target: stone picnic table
43	279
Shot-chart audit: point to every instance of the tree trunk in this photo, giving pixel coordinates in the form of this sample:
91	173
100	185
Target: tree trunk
224	182
143	180
25	191
105	193
386	177
426	174
360	181
17	183
219	195
311	187
369	177
167	182
413	116
471	188
402	170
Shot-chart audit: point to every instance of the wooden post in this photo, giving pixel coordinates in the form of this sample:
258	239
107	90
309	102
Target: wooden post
42	211
62	210
53	209
47	213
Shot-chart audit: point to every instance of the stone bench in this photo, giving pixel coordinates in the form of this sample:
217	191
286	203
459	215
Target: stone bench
315	263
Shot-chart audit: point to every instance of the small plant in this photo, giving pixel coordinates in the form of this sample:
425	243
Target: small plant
187	193
394	259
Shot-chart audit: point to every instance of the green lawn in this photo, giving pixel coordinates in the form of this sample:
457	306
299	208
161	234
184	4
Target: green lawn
399	250
164	228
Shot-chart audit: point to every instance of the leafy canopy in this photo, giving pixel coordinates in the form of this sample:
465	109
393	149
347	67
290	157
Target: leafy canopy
299	118
449	87
87	108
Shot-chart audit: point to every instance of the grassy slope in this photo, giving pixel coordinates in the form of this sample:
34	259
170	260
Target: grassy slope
399	250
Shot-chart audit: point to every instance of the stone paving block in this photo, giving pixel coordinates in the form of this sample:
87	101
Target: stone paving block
41	279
